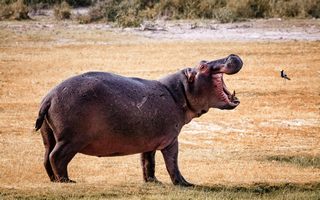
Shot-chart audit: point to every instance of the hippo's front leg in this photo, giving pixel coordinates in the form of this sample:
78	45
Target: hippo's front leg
170	155
148	165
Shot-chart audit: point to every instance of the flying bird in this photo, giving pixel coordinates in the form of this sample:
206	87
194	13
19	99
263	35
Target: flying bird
284	75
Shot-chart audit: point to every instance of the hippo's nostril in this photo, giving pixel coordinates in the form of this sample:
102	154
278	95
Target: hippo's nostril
235	60
229	65
233	64
233	57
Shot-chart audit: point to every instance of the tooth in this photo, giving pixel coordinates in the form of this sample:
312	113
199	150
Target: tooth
233	95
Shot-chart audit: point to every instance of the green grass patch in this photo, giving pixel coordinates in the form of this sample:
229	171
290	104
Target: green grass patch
302	161
17	10
133	12
158	191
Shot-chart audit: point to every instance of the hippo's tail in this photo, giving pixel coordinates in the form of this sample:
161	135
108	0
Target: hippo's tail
45	105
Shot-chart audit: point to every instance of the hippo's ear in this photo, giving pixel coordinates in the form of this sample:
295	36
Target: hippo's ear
203	66
190	74
203	62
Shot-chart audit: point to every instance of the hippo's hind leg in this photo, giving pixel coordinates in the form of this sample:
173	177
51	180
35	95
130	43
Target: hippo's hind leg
148	166
60	157
170	155
49	143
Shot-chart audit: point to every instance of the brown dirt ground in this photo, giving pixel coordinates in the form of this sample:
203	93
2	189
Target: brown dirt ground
275	117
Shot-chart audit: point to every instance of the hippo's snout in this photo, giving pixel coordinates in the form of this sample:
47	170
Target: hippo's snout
229	65
222	98
233	64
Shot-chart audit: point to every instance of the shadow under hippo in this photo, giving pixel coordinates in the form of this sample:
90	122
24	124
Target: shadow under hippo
104	114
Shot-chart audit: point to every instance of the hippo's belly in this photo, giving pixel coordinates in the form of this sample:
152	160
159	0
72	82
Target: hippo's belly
116	146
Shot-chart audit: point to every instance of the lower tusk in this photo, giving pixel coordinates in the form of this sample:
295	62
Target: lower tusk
233	95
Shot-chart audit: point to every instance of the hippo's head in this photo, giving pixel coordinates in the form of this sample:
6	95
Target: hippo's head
205	87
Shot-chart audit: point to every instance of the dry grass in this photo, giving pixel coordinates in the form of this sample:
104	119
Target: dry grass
226	152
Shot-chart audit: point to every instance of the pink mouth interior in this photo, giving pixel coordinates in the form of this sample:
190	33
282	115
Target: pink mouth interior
222	92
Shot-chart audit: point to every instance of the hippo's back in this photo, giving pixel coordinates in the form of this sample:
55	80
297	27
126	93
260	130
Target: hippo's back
99	106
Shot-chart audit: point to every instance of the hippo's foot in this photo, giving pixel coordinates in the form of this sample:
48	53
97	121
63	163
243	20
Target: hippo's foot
64	180
53	179
182	182
170	155
152	180
148	166
61	180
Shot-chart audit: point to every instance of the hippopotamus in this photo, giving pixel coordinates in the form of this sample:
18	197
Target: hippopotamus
103	114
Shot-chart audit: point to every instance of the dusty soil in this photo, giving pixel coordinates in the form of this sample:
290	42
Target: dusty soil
275	117
253	30
274	29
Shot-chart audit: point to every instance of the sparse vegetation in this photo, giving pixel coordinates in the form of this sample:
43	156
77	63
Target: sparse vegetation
303	161
133	12
17	10
74	3
96	12
227	163
62	11
226	153
163	192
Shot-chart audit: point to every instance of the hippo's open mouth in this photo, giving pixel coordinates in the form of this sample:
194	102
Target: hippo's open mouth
229	99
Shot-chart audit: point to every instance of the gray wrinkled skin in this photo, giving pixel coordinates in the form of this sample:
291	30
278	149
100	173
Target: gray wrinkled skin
104	114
